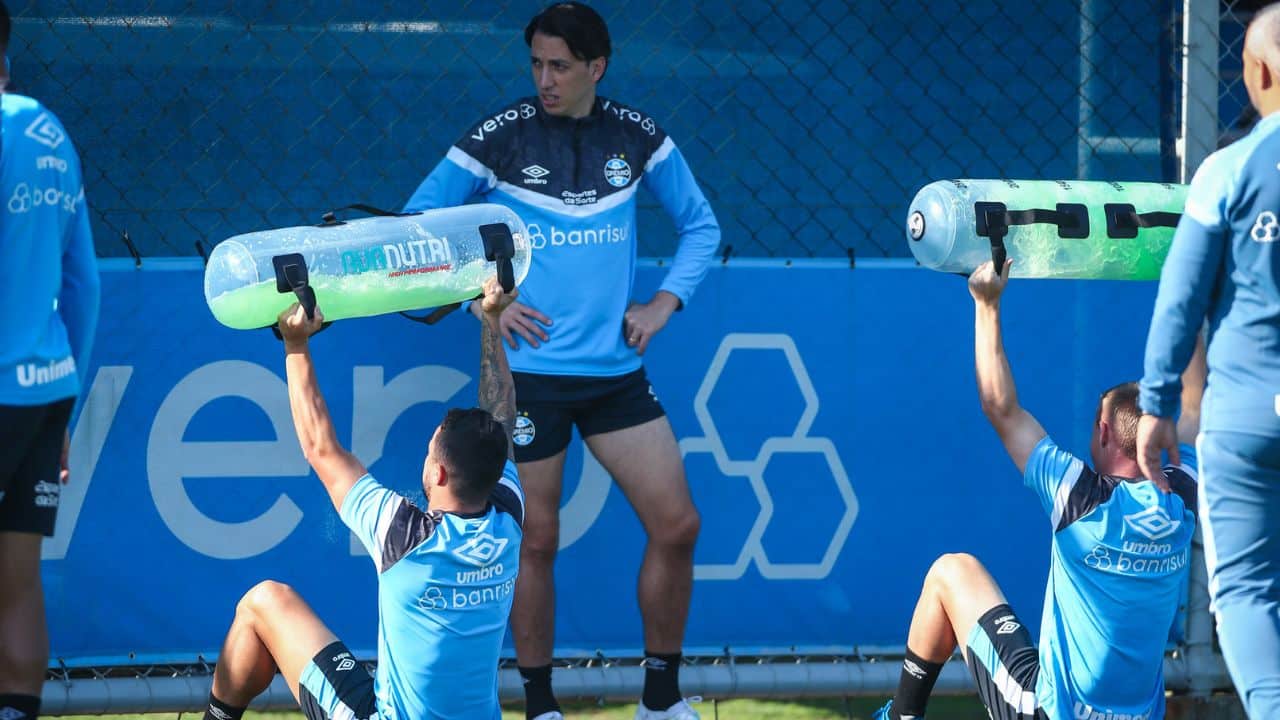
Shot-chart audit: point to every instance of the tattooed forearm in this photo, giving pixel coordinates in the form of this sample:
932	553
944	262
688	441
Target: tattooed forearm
497	389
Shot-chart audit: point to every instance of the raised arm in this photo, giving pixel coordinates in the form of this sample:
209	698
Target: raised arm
337	469
1018	429
497	389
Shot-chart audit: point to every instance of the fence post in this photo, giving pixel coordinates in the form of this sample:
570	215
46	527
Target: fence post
1200	85
1198	138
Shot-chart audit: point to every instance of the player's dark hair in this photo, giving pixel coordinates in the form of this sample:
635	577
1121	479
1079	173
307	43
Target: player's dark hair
472	446
581	28
5	27
1123	401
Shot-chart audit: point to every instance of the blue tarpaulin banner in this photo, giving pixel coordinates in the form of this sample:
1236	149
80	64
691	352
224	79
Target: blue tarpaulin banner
828	418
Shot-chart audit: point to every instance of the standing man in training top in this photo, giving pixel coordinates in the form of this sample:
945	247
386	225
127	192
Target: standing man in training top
1225	264
569	163
48	315
446	574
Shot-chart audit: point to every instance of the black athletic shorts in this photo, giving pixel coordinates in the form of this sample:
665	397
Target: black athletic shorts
336	686
1005	665
548	406
31	439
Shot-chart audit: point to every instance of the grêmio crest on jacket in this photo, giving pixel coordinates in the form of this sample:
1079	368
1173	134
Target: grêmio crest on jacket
575	161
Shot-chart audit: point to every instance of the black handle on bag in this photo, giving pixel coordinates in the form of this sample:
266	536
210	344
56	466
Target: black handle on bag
292	277
1123	220
500	247
993	221
330	219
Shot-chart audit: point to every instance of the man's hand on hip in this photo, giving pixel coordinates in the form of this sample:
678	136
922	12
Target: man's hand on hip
644	320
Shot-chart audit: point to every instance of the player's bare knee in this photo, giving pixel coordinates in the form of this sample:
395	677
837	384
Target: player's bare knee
265	599
950	572
538	547
680	532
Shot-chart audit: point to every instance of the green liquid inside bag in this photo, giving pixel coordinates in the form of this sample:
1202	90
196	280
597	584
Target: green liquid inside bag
259	305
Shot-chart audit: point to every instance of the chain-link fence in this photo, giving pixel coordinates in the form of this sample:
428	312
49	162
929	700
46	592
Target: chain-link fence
810	123
1236	116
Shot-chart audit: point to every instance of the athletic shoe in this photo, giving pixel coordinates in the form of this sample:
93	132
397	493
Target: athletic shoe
887	713
680	711
553	715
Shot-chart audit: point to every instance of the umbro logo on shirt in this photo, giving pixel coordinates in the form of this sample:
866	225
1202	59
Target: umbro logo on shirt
46	132
535	175
1153	522
481	549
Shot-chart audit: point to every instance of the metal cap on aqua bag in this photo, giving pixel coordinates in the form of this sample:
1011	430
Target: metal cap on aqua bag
931	223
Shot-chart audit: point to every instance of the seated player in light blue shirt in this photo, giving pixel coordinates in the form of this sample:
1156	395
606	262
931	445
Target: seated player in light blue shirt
1118	567
446	574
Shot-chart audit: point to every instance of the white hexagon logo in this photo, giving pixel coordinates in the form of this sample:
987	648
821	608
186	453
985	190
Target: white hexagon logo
798	442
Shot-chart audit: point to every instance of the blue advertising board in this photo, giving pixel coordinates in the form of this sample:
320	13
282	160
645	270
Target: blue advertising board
828	419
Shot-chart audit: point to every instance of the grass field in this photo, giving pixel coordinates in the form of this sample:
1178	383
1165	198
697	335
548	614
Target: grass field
942	708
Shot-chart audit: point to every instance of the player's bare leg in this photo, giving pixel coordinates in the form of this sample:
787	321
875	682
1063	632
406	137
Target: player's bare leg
24	638
274	628
957	592
645	462
533	611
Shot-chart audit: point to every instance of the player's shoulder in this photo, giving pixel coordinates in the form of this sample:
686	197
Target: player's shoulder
500	126
17	105
31	118
633	123
1048	456
1252	154
29	124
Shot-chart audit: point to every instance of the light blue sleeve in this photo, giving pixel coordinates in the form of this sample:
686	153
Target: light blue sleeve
1194	261
1050	470
80	294
368	509
508	495
672	183
450	184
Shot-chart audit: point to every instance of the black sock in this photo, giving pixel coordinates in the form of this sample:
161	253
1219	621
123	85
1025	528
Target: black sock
915	685
661	680
20	707
538	698
219	710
